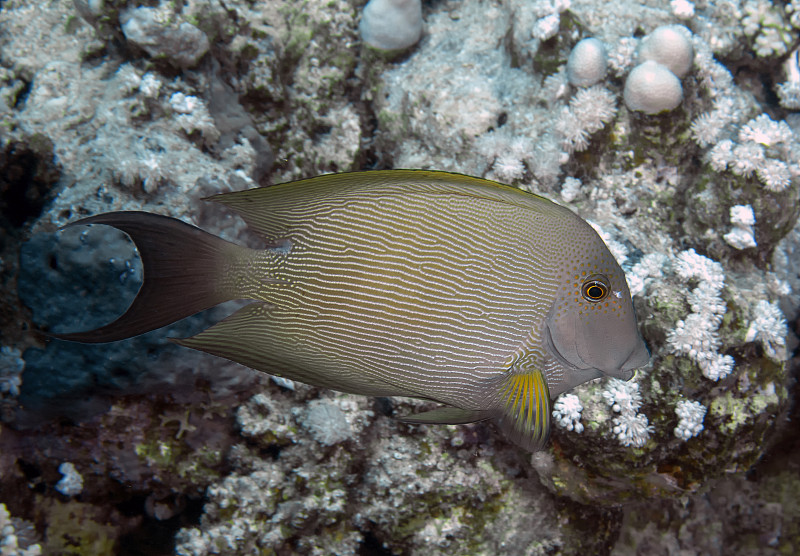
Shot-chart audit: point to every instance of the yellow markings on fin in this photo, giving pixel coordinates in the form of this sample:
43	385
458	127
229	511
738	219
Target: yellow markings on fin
525	409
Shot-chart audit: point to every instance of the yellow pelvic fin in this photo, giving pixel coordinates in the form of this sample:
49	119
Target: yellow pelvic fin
525	409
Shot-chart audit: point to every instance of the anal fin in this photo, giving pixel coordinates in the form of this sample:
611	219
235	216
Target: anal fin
446	415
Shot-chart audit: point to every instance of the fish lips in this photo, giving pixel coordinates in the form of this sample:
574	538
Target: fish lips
619	360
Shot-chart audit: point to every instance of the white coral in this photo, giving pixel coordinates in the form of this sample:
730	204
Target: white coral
707	128
747	158
621	57
622	396
789	94
570	189
589	110
717	366
574	135
765	22
793	11
690	415
630	428
721	155
765	131
769	328
546	27
9	541
150	85
643	273
508	168
774	174
567	412
507	154
11	367
682	9
594	107
556	86
740	238
690	265
192	115
742	215
715	77
743	220
71	483
326	422
696	336
705	301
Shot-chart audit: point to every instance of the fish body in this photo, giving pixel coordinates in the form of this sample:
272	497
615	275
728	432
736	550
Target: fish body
433	285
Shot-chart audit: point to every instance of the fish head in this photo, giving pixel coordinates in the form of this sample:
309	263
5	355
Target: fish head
591	328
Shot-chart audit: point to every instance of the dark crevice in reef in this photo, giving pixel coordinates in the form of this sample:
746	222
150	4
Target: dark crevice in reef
28	179
372	546
785	452
156	537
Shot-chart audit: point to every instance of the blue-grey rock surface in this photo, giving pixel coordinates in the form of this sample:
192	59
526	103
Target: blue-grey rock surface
143	447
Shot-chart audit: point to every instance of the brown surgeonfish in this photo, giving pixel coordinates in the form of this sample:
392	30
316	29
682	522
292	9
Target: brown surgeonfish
432	285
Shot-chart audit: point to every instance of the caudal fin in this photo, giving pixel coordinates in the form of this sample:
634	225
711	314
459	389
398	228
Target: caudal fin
183	273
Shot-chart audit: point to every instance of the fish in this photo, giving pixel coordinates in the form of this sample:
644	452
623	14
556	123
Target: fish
478	296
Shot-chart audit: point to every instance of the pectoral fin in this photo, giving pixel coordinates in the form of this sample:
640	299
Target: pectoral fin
525	409
446	415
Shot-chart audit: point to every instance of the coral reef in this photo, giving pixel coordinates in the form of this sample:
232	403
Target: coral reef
122	105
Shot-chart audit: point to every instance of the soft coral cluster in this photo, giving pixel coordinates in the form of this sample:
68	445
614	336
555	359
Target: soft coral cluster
696	336
690	415
630	427
769	328
567	412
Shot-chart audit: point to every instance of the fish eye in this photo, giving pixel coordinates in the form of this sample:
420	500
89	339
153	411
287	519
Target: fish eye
595	288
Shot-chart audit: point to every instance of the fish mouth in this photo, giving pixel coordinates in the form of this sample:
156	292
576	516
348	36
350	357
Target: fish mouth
638	357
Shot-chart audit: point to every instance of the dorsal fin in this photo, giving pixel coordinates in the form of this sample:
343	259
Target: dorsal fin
273	210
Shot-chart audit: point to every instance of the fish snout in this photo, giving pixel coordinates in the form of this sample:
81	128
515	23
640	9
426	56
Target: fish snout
638	357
